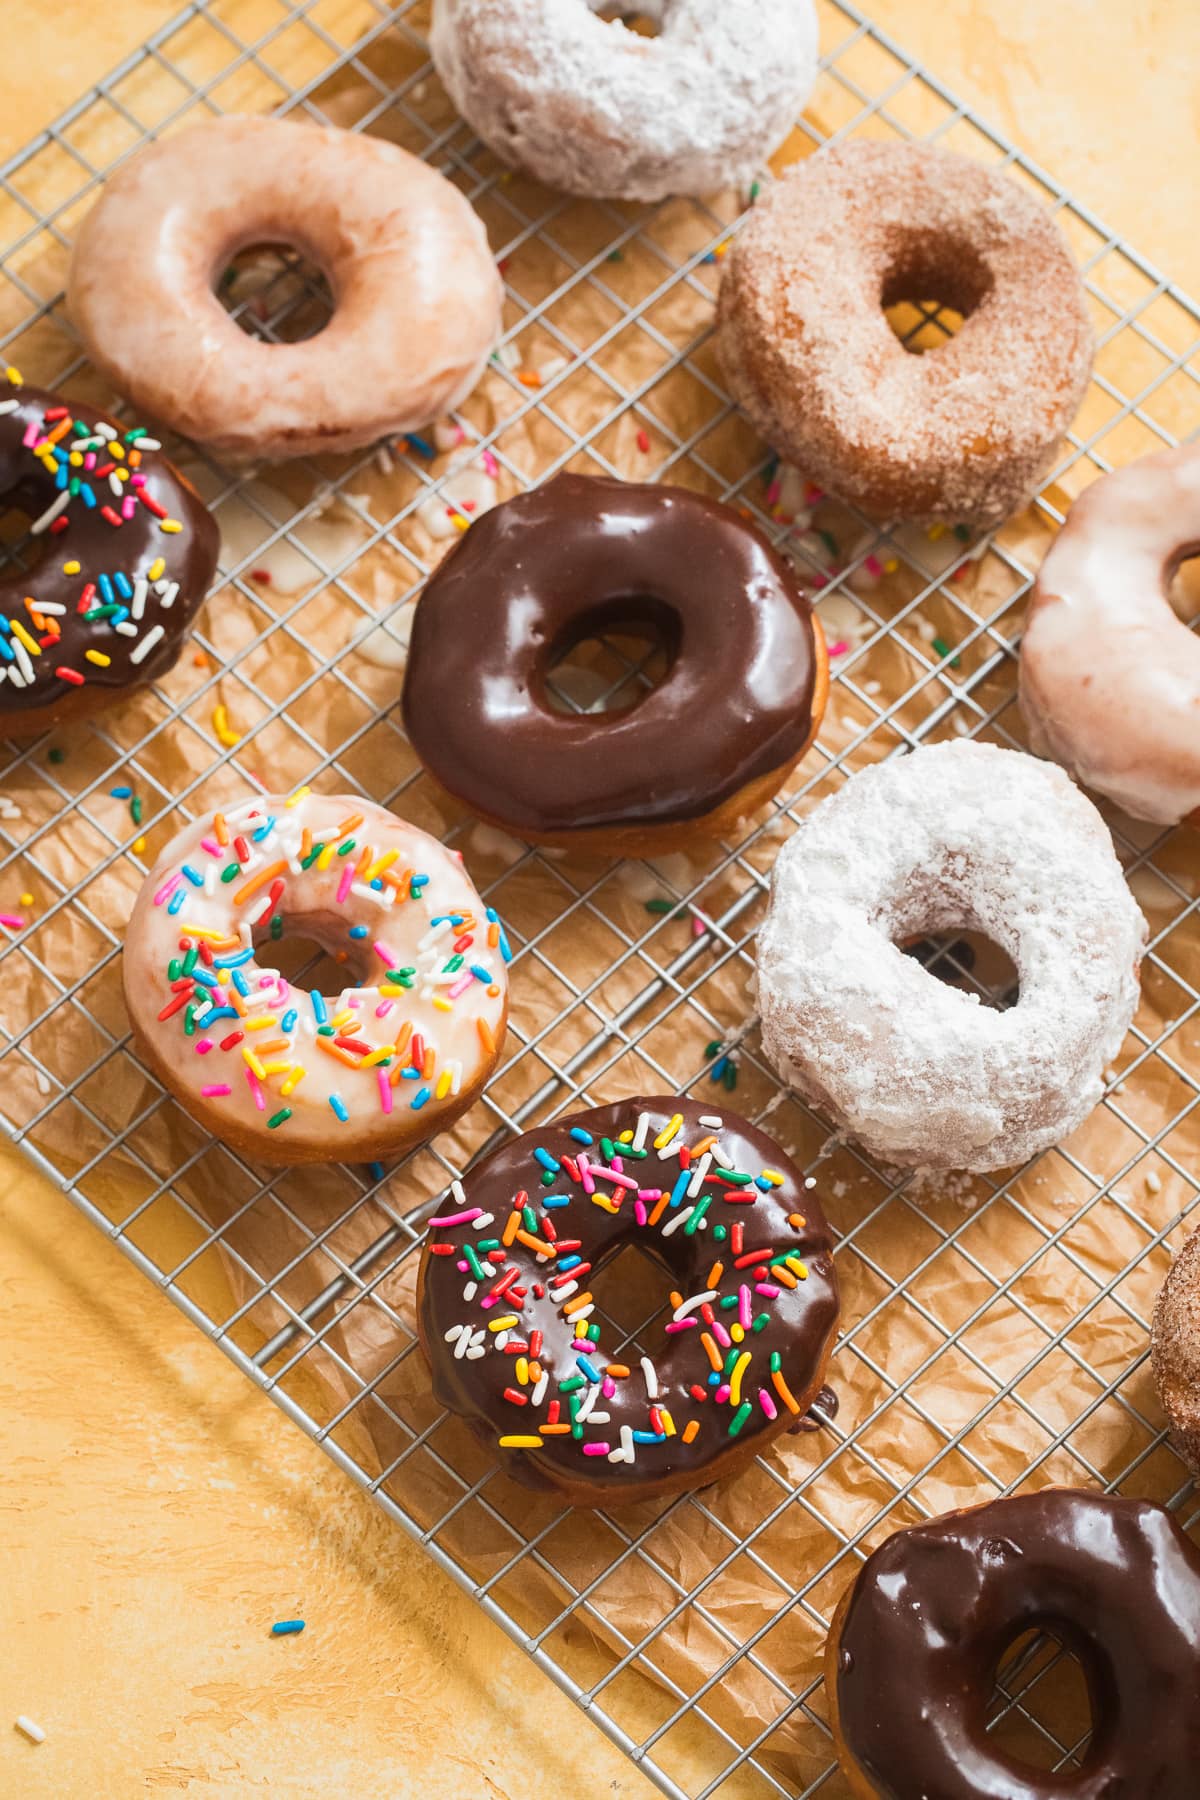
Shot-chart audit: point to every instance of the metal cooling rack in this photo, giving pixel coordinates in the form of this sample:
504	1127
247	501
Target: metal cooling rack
982	1349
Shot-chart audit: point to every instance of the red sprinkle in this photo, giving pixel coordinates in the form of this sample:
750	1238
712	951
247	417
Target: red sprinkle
643	441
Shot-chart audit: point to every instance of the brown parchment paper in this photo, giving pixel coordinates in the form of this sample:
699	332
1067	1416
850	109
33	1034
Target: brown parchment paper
994	1332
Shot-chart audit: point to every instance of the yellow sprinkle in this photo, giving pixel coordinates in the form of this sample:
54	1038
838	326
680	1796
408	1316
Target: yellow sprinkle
327	855
444	1083
225	733
773	1176
157	568
342	1018
71	568
380	864
390	989
98	657
504	1324
935	532
720	251
378	1056
117	450
278	1068
797	1267
139	845
520	1443
522	1370
253	1061
298	796
202	931
626	1137
294	1079
735	1380
668	1132
459	523
260	1021
737	1332
76	461
891	565
31	644
443	1005
169	525
668	1421
16	379
26	899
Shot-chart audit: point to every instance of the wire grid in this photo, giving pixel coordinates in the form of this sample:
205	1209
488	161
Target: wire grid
982	1350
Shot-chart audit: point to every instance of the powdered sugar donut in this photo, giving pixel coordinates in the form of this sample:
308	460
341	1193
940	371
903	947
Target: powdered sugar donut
1110	678
587	105
1175	1349
958	836
968	430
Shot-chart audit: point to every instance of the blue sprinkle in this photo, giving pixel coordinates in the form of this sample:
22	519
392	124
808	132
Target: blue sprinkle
318	1006
264	830
718	1068
126	793
358	931
567	1262
480	973
581	1136
288	1021
764	1185
420	1098
589	1369
287	1628
339	1107
680	1188
205	978
5	623
123	585
553	1200
120	616
410	1074
87	496
376	1171
175	903
241	984
547	1161
220	1012
203	1019
714	1379
646	1437
106	590
377	884
493	918
237	959
8	654
61	476
186	869
421	445
418	882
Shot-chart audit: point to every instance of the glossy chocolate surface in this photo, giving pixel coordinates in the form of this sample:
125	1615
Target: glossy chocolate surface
127	548
936	1607
580	556
795	1317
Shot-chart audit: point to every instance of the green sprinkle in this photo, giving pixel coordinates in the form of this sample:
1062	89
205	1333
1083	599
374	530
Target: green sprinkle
306	862
829	541
477	1268
570	1384
730	1300
191	959
943	649
529	1218
231	872
661	906
615	256
755	191
453	966
488	1244
698	1211
962	533
733	1177
739	1418
189	1020
277	925
730	1362
56	756
719	1234
284	1113
131	437
326	1031
776	1362
135	809
175	968
606	1149
346	848
710	1050
729	1076
761	1323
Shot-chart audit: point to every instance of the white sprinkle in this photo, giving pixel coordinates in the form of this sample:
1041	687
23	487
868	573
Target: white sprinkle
681	1312
697	1181
588	1402
51	513
105	431
145	443
142	651
141	588
168	598
454	1331
51	608
433	934
626	1452
475	1353
564	1293
502	1338
810	1181
1154	1182
484	1219
678	1220
7	406
114	484
712	1120
639	1136
539	1392
33	1732
468	1340
125	628
22	656
651	1378
470	1291
460	1193
583	1312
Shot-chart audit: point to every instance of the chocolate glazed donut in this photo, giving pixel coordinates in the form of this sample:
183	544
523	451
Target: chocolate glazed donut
915	1645
519	1346
740	703
130	552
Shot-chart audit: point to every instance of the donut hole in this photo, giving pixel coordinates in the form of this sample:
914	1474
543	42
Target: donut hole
970	961
610	662
1183	587
274	293
630	1291
311	956
20	553
930	288
646	20
1040	1713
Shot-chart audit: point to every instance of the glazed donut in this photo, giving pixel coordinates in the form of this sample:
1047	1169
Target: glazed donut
1110	678
913	1650
967	431
511	1332
1175	1349
285	1074
589	106
416	293
958	836
740	704
129	551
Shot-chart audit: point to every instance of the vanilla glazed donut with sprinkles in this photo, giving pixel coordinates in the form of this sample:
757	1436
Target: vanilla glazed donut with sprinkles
286	1073
129	551
519	1345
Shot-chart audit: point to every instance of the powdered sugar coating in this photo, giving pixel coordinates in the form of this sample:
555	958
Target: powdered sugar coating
1110	678
957	836
586	105
967	431
1175	1349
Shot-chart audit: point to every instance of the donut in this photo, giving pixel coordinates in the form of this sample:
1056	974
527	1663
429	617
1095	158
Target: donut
915	1643
740	704
288	1074
416	293
128	552
586	105
1175	1349
967	431
517	1345
1110	678
958	836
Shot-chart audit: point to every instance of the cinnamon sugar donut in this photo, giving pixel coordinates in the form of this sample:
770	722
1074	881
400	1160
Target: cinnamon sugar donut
961	835
1110	678
966	431
1175	1349
586	105
416	293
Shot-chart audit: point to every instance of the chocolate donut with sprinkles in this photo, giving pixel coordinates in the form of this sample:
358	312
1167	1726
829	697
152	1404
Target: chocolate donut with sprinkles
130	550
518	1345
286	1073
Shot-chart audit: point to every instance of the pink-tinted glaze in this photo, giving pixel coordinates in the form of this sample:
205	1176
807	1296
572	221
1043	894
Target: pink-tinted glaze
1110	677
417	295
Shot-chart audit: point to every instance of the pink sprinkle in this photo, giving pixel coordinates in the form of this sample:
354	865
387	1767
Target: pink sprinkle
608	1387
212	846
773	493
585	1176
840	648
12	921
699	927
89	461
649	1193
461	1267
745	1317
873	566
345	884
489	1300
680	1325
621	1181
595	1449
384	1008
137	481
719	1332
216	1090
460	986
31	434
768	1288
722	1393
491	466
203	1046
353	1001
256	1090
168	887
767	1404
385	1090
128	507
385	955
458	1218
639	1212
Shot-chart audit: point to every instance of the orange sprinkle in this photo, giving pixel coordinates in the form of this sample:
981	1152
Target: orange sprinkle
704	1144
691	1431
529	378
554	1430
784	1391
260	880
305	842
711	1351
221	828
348	825
715	1274
783	1275
676	1300
339	1055
535	1243
430	1063
511	1228
485	1036
575	1302
660	1207
618	1371
797	1221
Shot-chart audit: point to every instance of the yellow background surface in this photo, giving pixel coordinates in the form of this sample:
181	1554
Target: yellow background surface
156	1513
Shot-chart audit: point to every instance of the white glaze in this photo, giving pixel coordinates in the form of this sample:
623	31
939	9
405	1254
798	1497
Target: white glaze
310	908
1110	678
417	294
590	107
958	836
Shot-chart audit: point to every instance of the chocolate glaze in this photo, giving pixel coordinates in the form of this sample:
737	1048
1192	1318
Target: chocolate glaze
130	547
801	1323
935	1608
830	1404
578	556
